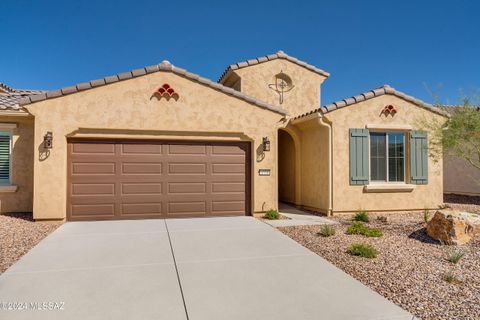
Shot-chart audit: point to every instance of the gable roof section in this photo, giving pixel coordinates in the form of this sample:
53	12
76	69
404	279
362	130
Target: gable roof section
386	89
279	55
10	98
164	66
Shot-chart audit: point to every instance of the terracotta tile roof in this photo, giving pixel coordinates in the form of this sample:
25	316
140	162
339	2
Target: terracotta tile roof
279	55
386	89
164	66
10	98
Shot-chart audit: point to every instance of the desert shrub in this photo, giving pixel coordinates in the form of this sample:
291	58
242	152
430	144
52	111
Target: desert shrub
362	216
451	277
362	250
272	215
360	228
426	215
453	254
326	231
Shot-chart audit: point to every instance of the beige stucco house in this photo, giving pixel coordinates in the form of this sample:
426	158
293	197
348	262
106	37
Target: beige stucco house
459	176
162	142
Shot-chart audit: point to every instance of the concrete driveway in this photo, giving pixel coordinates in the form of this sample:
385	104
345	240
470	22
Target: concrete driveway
206	268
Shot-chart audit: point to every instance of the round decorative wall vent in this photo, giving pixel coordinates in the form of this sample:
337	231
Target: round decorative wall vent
282	84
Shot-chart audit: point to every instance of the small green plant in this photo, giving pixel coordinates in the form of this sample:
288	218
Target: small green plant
360	228
272	215
362	250
362	216
451	277
426	215
326	231
453	254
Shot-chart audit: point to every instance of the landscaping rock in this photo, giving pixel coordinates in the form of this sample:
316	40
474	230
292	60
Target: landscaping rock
453	227
383	219
18	234
410	268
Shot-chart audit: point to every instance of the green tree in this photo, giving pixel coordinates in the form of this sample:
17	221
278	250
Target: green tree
459	136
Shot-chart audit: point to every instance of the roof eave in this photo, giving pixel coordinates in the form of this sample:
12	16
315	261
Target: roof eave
164	66
386	89
278	55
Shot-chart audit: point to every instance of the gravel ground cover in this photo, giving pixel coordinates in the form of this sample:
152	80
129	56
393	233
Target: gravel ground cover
18	234
410	267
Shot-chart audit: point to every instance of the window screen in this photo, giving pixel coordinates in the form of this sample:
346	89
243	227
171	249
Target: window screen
396	158
378	156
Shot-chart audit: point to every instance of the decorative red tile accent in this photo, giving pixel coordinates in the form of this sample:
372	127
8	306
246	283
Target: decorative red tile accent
167	92
389	110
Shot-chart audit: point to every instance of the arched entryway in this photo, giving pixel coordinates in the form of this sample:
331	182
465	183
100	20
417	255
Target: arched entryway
287	167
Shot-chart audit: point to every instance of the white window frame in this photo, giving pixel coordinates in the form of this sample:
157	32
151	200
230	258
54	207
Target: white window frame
386	132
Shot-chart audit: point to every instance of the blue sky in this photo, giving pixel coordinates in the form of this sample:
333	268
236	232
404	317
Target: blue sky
411	45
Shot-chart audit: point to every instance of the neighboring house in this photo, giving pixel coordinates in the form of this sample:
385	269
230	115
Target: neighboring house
459	176
162	142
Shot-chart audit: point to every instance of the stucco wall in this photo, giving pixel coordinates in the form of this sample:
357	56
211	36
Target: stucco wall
286	167
460	177
304	96
127	108
314	162
352	198
21	167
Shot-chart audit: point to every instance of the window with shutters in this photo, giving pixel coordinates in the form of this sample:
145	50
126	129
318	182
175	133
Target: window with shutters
387	156
378	158
5	157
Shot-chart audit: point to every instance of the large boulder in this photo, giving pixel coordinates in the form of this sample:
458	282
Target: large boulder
453	227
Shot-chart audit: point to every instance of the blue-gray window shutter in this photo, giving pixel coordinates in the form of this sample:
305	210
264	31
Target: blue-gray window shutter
359	170
418	157
4	157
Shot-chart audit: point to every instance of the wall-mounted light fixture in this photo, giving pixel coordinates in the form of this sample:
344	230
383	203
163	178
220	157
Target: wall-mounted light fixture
48	140
266	144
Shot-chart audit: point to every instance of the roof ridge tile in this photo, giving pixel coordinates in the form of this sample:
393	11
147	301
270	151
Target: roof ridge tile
269	57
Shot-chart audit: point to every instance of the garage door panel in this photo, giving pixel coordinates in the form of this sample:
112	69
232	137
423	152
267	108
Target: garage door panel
93	189
142	198
187	188
187	168
228	150
240	195
142	168
227	159
107	209
141	178
141	188
183	207
128	179
141	149
214	178
228	206
93	168
191	178
94	199
228	168
227	187
93	148
184	149
141	208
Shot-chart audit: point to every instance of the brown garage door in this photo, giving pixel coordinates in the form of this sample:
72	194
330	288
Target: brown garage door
132	179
